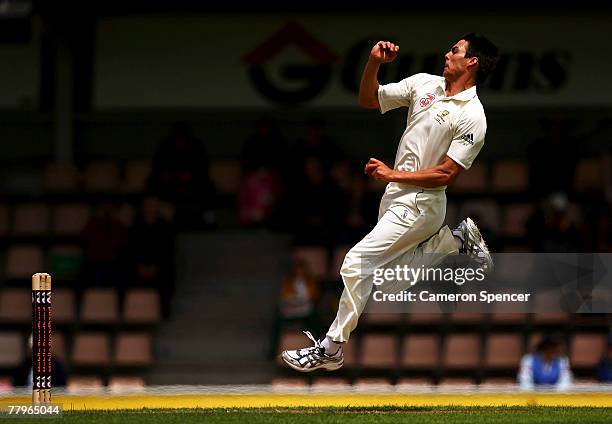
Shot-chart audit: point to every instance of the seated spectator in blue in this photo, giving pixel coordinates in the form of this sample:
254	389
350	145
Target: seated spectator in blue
604	368
546	368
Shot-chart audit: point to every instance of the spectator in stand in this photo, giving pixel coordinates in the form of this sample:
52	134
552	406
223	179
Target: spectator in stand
604	368
104	238
552	227
266	148
360	208
546	367
258	198
264	162
316	143
558	139
151	250
597	226
180	176
314	206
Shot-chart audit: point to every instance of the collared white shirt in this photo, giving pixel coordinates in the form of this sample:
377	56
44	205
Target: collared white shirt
436	125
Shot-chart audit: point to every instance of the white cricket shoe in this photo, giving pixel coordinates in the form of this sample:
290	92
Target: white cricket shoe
313	358
473	244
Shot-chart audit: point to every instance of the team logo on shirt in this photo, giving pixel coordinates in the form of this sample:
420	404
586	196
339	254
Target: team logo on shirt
426	101
440	116
468	139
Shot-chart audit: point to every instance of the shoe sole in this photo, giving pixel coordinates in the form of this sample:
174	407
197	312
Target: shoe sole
326	367
481	244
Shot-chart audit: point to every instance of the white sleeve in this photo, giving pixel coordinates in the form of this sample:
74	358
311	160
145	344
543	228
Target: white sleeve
525	376
565	379
397	94
468	138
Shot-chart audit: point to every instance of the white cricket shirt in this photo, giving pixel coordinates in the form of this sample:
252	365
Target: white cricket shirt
437	125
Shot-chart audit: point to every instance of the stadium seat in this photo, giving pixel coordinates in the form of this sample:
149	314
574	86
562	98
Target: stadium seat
65	261
23	260
315	259
91	349
60	177
291	339
510	176
413	382
70	219
337	260
379	351
513	268
421	351
141	306
136	174
601	296
425	313
21	180
388	318
467	318
558	318
594	320
461	351
499	382
100	305
5	220
425	319
225	175
349	349
509	318
58	345
456	383
125	213
288	382
585	380
370	382
11	349
586	349
118	384
16	305
486	214
78	383
329	382
133	349
503	351
31	219
547	307
473	181
515	219
589	175
64	306
102	177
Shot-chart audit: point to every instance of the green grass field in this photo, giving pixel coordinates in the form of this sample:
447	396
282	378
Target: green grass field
378	415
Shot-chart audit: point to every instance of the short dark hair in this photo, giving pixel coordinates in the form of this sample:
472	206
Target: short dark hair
487	53
548	341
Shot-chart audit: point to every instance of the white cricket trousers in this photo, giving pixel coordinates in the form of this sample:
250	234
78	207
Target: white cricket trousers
407	233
